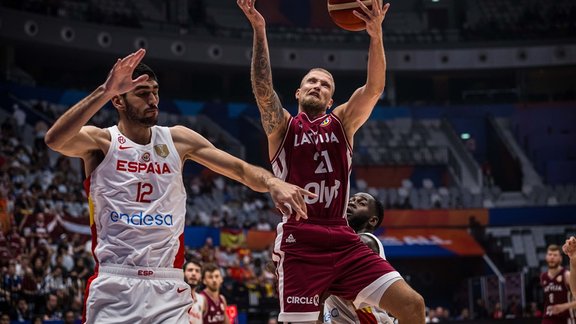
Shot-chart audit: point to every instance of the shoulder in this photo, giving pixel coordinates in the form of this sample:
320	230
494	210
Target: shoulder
180	132
370	241
339	110
187	140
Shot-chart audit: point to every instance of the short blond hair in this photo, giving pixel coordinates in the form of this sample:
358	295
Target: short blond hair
553	248
323	71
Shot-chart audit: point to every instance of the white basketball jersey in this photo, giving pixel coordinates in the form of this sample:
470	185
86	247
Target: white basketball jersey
138	203
378	242
340	311
195	312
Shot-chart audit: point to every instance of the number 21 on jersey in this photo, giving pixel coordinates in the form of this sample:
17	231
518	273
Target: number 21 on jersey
325	165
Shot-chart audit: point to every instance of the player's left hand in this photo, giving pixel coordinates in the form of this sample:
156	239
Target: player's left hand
569	247
556	309
372	17
249	9
289	198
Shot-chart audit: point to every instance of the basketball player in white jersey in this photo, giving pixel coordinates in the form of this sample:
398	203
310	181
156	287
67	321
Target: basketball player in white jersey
313	150
137	198
193	276
365	214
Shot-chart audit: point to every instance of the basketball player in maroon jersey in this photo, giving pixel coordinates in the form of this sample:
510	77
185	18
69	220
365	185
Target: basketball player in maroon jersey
570	249
320	254
215	308
558	304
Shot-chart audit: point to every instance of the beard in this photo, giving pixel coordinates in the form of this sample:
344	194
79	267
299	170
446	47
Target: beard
312	107
553	265
133	116
357	223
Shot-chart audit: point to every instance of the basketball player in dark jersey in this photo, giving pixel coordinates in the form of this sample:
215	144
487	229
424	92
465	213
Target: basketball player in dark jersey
215	308
319	253
570	249
558	304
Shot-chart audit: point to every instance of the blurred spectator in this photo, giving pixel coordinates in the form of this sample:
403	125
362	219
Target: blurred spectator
4	247
19	116
52	309
207	251
272	319
533	311
12	282
21	313
263	224
464	315
69	317
497	312
514	308
480	310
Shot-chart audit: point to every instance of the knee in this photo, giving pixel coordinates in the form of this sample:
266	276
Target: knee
413	307
416	304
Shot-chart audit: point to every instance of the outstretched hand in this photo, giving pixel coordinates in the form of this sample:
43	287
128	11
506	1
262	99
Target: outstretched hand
569	247
255	18
119	79
372	17
289	198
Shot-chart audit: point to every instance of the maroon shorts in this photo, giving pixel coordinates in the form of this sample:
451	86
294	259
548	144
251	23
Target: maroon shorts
313	259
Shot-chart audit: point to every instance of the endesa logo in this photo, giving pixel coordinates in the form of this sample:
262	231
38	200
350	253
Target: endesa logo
303	300
141	219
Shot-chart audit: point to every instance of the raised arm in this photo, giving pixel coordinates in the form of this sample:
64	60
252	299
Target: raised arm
359	107
274	118
193	146
68	135
570	249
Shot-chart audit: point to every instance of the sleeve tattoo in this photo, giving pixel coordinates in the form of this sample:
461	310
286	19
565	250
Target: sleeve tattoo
271	111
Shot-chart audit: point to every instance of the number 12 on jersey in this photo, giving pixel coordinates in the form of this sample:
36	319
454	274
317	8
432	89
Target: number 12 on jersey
144	191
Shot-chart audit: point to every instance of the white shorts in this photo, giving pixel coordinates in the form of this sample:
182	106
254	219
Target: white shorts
122	294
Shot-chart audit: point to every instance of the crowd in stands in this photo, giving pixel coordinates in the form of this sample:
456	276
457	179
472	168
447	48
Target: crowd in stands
118	14
526	20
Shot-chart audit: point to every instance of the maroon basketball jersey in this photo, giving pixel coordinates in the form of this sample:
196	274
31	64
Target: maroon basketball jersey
215	310
556	291
315	155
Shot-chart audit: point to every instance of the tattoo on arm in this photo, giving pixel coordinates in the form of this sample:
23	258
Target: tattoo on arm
271	111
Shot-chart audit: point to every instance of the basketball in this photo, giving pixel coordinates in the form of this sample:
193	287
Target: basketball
341	13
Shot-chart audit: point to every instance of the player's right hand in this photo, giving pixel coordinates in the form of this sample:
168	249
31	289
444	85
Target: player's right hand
289	198
570	247
119	79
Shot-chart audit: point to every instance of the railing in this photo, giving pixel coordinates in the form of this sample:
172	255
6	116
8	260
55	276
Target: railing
459	149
